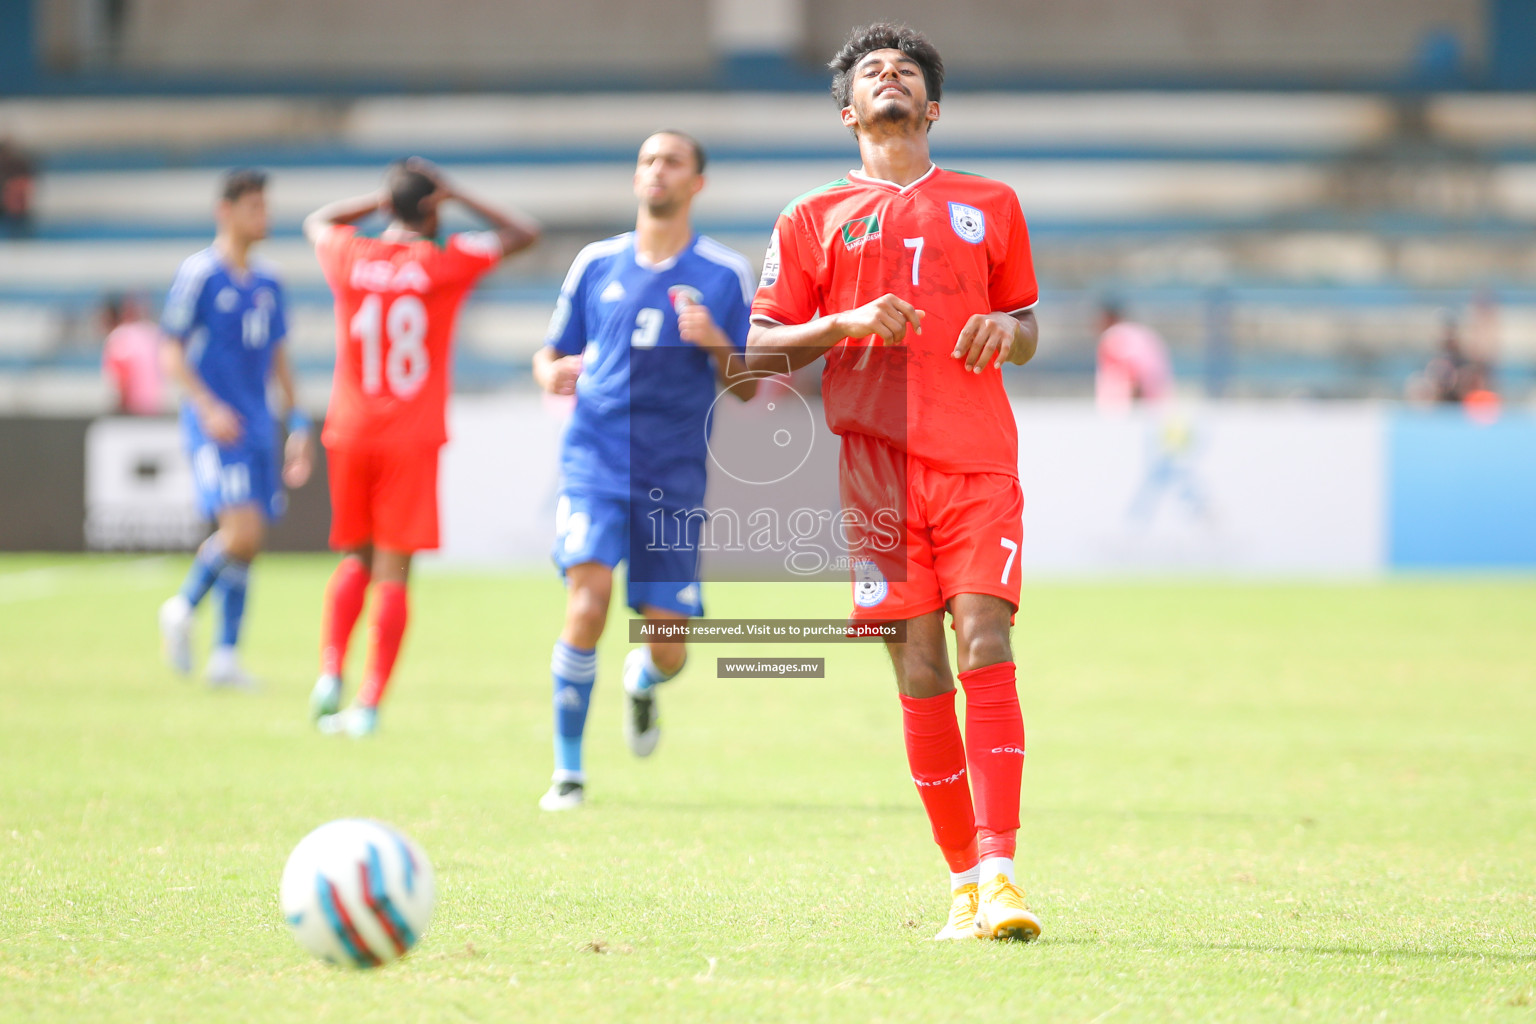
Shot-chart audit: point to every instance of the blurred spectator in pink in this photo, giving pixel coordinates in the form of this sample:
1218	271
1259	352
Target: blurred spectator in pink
131	359
1132	365
17	174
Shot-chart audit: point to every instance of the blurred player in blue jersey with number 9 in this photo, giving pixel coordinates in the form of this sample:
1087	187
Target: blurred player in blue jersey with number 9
643	335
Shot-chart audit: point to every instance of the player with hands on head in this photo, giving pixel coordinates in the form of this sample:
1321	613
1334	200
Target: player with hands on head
223	331
917	285
397	301
649	326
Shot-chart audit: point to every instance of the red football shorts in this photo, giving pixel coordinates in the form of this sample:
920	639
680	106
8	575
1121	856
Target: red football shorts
386	497
959	534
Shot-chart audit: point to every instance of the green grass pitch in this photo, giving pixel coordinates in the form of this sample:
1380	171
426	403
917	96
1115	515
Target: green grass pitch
1242	802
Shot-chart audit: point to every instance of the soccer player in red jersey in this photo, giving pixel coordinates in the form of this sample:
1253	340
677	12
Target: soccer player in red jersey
917	284
397	297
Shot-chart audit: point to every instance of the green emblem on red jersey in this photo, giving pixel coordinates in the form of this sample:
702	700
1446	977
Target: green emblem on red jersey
857	232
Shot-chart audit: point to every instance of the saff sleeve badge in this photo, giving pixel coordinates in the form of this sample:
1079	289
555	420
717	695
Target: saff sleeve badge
968	222
770	262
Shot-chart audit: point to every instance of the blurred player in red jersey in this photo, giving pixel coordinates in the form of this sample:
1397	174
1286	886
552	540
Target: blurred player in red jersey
917	284
397	297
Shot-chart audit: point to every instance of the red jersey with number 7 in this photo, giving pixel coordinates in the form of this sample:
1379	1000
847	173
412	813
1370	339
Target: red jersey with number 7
950	243
396	306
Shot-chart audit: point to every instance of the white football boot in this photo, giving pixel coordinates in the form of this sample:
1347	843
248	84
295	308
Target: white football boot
325	698
176	634
563	795
226	673
357	721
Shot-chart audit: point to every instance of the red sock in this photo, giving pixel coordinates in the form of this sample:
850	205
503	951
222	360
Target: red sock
994	749
343	604
389	616
936	755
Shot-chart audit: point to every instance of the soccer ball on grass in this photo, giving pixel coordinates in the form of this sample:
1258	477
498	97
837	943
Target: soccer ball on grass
357	893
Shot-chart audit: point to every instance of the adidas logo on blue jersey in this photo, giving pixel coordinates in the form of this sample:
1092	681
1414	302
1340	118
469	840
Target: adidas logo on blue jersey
613	293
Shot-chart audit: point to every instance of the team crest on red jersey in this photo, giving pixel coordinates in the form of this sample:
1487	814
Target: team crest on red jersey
969	223
869	585
857	232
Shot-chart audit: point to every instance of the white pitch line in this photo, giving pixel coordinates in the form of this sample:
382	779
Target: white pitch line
49	581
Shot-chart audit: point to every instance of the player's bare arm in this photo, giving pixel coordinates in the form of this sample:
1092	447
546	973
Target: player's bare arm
344	211
218	420
556	373
298	450
515	230
888	317
992	339
697	327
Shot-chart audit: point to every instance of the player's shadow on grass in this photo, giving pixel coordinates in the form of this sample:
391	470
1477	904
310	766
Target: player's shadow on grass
1079	813
760	807
1076	813
1328	950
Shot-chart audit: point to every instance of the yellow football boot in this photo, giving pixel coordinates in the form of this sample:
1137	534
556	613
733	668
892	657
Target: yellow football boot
962	915
1002	914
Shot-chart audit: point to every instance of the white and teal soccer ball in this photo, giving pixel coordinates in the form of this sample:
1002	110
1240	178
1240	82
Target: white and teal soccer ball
357	893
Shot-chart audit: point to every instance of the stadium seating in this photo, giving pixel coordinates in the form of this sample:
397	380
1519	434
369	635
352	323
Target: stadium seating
1284	243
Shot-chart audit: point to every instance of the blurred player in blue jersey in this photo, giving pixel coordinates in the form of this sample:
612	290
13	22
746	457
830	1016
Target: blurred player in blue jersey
643	336
224	324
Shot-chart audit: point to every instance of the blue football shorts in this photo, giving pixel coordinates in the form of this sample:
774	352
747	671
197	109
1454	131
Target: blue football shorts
660	545
245	473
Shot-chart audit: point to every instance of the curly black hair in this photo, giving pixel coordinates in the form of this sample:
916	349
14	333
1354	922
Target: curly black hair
885	36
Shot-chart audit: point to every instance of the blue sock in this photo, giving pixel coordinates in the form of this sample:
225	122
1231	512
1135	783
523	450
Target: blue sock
650	675
574	671
232	583
206	566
